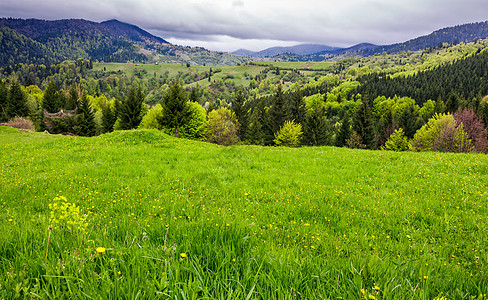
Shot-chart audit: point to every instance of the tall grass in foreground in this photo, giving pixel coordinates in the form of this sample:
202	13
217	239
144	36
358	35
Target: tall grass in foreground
180	219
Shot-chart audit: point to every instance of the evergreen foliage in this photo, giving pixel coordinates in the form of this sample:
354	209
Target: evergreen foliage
51	98
239	109
256	134
295	106
344	131
3	102
316	130
276	112
363	125
16	102
131	108
176	111
108	118
85	119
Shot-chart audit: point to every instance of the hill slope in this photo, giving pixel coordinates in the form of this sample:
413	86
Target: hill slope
41	41
188	218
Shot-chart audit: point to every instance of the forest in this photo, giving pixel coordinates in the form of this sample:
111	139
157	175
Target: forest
351	103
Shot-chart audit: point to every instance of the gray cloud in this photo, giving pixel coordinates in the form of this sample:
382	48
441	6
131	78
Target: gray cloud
226	23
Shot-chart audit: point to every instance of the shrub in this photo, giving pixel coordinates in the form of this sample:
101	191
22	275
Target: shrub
397	141
222	127
289	135
441	133
150	120
474	127
21	123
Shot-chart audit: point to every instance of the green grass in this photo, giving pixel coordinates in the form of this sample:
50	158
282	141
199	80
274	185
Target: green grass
254	222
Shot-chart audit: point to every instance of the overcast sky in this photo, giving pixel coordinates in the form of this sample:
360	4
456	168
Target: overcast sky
228	25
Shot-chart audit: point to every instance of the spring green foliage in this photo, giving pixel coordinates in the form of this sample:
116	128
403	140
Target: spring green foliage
256	222
289	135
222	127
66	215
397	141
196	125
150	120
442	133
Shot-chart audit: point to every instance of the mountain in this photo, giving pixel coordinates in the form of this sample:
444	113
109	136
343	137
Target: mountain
45	42
72	39
451	35
302	49
131	32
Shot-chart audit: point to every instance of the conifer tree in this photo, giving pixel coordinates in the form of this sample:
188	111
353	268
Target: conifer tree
72	100
130	109
344	132
50	100
276	111
176	111
363	125
85	119
239	109
108	119
295	107
255	133
316	129
17	102
3	103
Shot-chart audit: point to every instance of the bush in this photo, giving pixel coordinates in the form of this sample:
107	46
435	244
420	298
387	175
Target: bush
474	127
397	141
222	127
21	123
441	133
289	135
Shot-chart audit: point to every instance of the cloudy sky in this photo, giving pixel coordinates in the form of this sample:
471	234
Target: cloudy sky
228	25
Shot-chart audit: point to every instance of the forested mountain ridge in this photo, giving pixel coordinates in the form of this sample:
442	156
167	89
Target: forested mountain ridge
45	42
450	35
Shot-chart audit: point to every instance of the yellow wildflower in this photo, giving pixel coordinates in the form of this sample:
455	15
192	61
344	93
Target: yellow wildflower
100	250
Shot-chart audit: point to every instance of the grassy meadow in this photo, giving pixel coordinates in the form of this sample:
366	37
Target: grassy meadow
151	216
240	74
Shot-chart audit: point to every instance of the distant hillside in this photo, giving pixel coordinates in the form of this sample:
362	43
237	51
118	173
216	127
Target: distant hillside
302	49
452	35
44	42
72	39
16	48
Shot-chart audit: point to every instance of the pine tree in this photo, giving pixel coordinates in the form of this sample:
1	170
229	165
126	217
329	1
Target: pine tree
344	132
50	100
316	129
255	133
3	102
130	109
363	125
85	119
176	111
17	102
295	107
72	101
108	119
239	109
276	111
